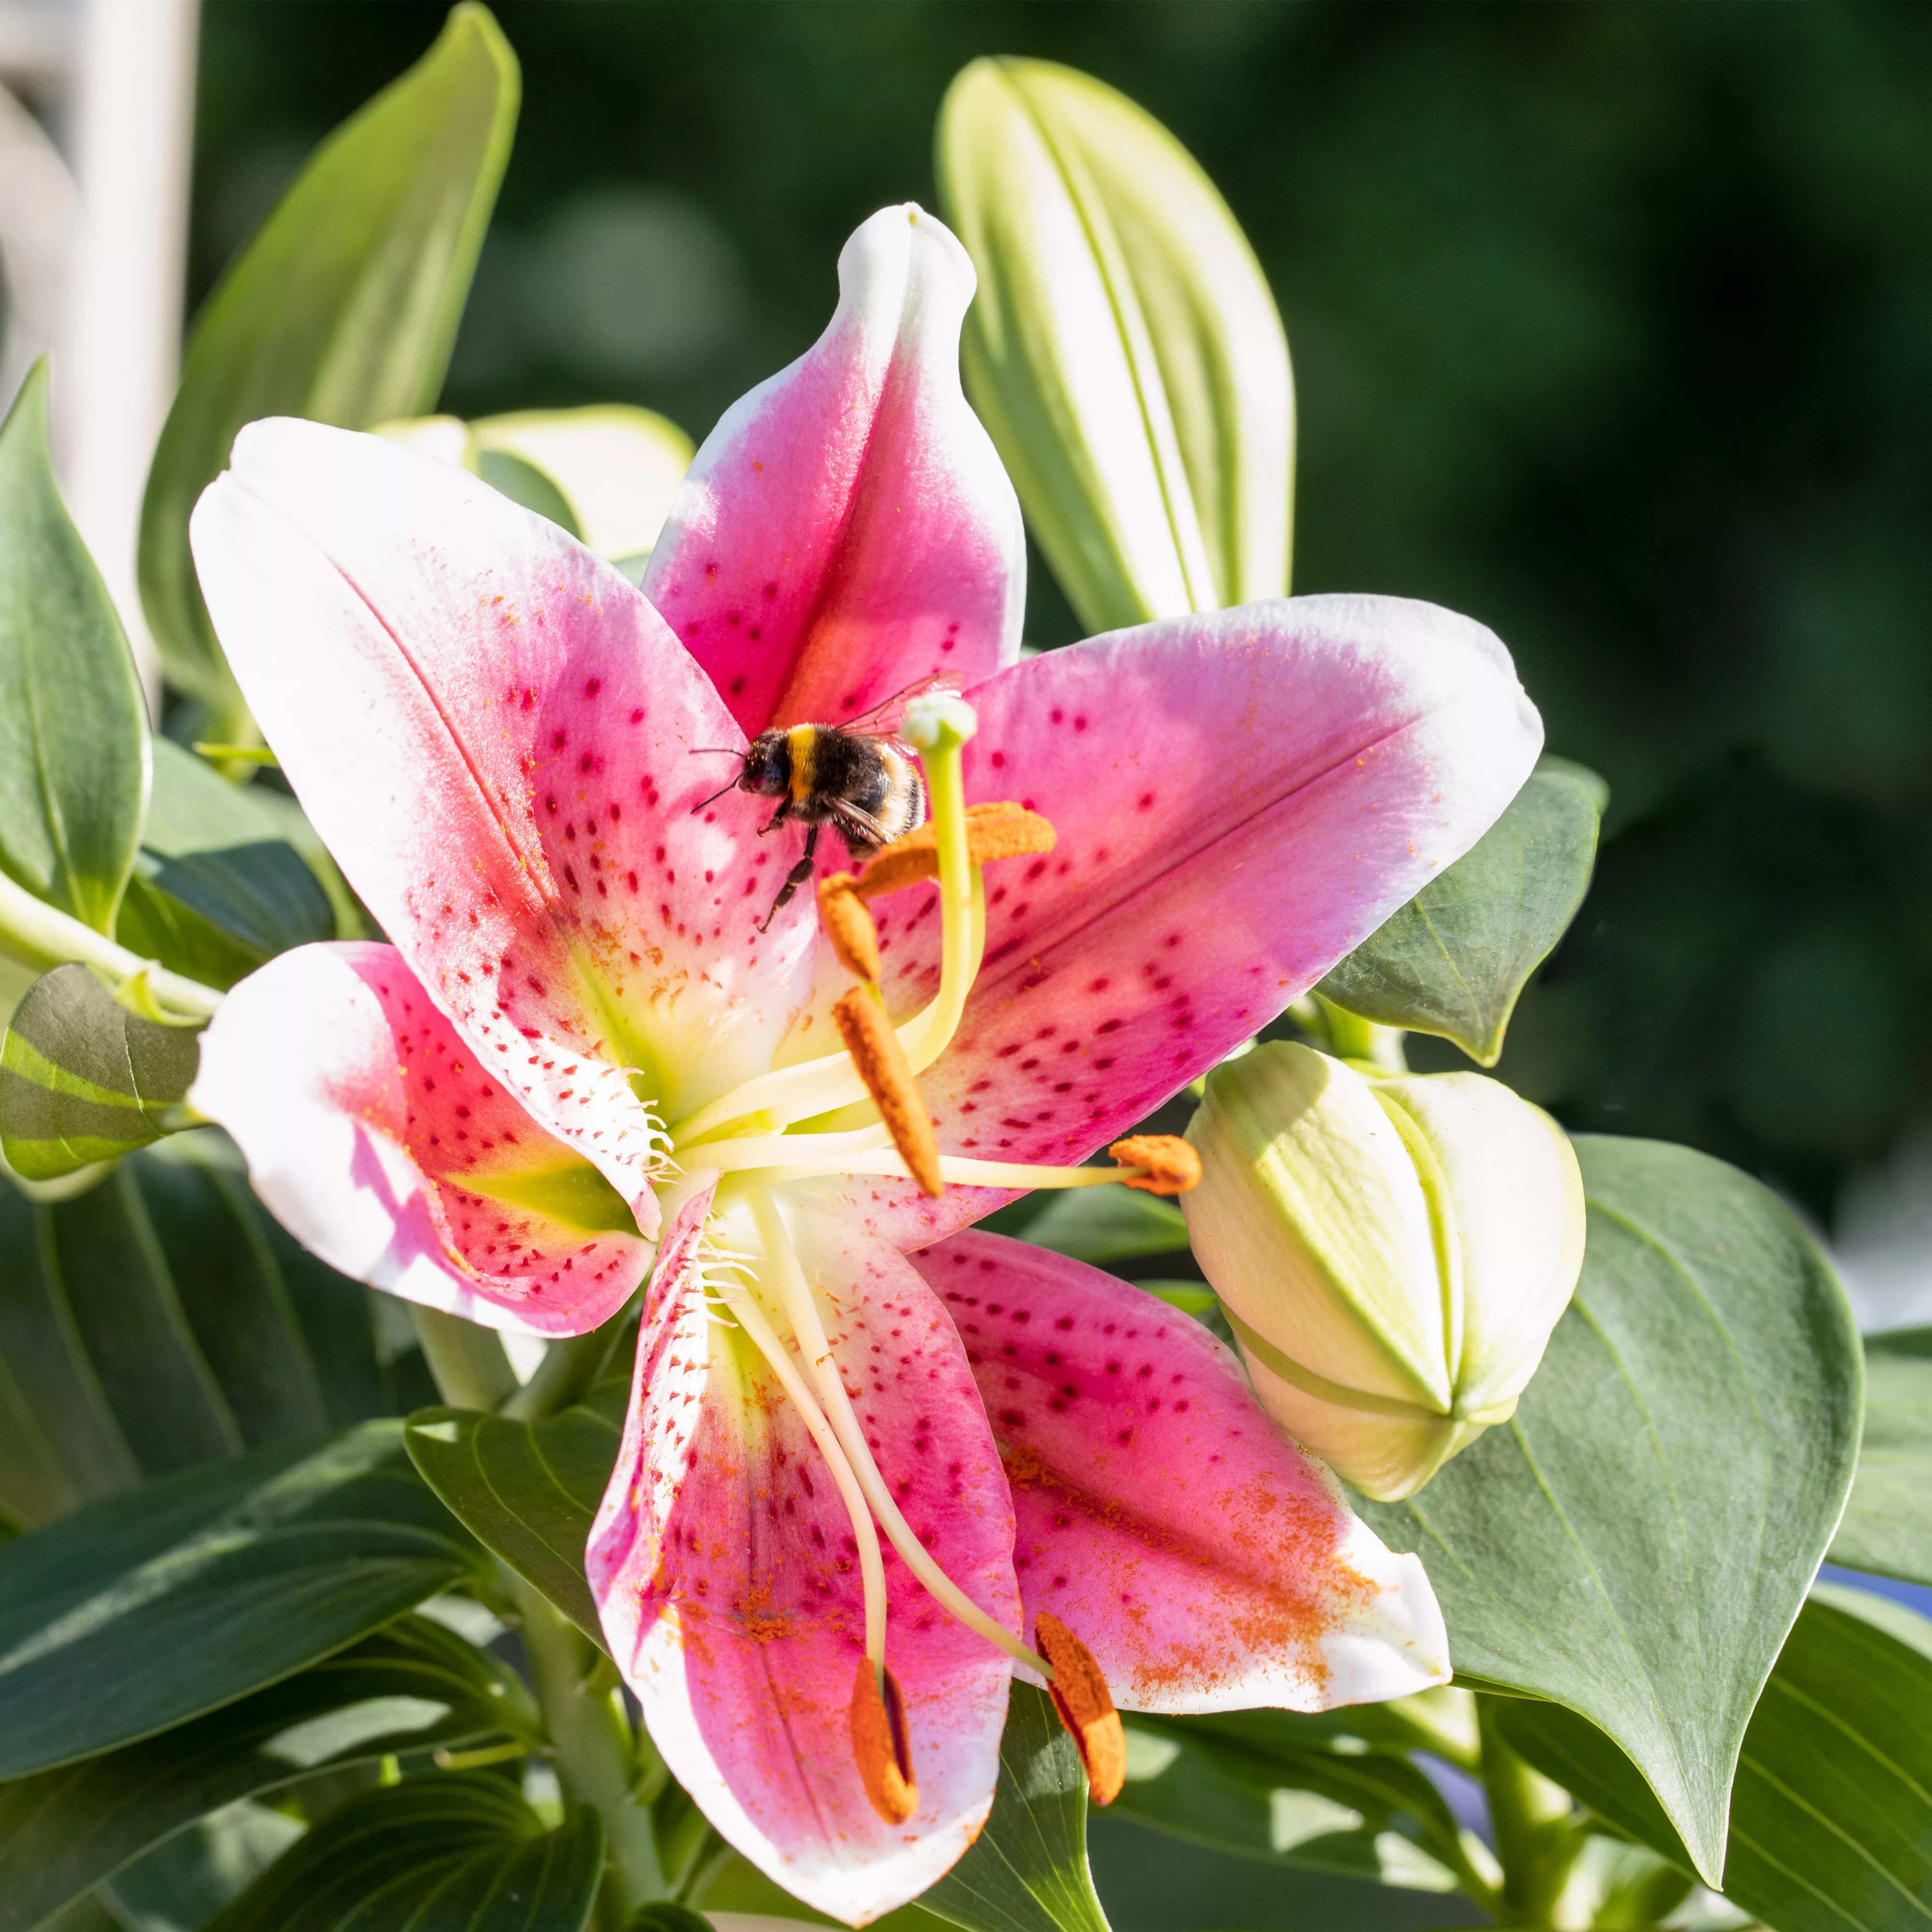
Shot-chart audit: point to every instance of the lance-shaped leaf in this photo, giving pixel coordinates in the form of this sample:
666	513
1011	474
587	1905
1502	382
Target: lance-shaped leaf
220	885
529	1490
1027	1871
82	1079
412	1687
1454	959
73	725
1832	1810
1635	1542
106	1268
151	1607
343	308
1263	1789
1124	350
1887	1523
452	1854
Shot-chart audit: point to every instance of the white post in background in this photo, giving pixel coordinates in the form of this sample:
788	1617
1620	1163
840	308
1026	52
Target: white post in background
133	131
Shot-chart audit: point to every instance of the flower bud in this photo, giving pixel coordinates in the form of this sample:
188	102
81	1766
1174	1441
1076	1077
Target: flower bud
1123	350
1392	1252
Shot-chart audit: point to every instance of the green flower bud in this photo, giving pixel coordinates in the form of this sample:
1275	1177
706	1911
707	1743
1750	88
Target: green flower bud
1392	1252
1123	349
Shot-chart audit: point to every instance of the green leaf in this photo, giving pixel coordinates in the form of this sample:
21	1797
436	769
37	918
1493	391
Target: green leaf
150	1607
195	810
1887	1523
1027	1870
411	1688
104	1258
73	724
82	1079
1636	1543
1832	1809
182	1303
1259	1785
1453	960
529	1490
451	1854
1107	1224
343	308
230	1287
59	1443
1123	351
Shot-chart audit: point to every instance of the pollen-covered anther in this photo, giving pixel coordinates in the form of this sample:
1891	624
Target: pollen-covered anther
880	1746
848	926
1172	1167
882	1064
1000	830
1086	1707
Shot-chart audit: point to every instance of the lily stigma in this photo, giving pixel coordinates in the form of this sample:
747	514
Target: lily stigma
861	1437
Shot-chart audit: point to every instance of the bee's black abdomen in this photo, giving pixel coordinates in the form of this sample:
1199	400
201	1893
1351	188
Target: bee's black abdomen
847	766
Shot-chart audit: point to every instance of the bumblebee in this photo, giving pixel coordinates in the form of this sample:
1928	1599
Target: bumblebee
858	777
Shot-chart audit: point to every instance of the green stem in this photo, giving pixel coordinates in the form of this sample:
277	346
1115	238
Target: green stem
467	1361
39	935
595	1753
568	1369
1354	1038
1536	1843
594	1747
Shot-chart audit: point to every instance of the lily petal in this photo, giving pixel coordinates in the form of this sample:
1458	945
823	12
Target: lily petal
379	1141
492	732
847	527
1208	1563
724	1563
1241	797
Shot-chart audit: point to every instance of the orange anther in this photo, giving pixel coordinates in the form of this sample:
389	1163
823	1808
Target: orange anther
882	1064
880	1746
1172	1166
848	926
1000	830
1080	1696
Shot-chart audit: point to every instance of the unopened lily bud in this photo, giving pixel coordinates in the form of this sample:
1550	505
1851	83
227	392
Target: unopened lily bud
1123	351
1392	1253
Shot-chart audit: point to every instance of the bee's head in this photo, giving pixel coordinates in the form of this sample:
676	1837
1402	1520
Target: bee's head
767	772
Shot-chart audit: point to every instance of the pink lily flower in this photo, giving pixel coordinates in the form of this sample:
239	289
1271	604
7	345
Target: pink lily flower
857	1433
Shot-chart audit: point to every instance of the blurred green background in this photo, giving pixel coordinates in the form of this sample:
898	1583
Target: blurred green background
1612	327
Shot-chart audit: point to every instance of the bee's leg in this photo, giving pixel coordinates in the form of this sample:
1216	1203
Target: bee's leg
778	818
796	877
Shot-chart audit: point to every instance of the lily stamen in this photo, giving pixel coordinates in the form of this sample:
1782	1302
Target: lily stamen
880	1747
787	1280
750	1319
1080	1695
881	1062
1159	1175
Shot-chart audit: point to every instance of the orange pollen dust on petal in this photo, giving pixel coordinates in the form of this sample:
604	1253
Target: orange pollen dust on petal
1080	1696
1002	830
882	1064
880	1746
1172	1165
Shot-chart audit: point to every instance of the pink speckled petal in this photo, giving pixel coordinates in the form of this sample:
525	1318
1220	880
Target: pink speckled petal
494	732
1240	798
379	1141
1208	1564
847	527
725	1566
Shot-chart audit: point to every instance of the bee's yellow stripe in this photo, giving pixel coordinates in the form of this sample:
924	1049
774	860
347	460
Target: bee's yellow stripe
803	740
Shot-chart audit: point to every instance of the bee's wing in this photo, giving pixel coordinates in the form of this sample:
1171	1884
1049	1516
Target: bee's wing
884	718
